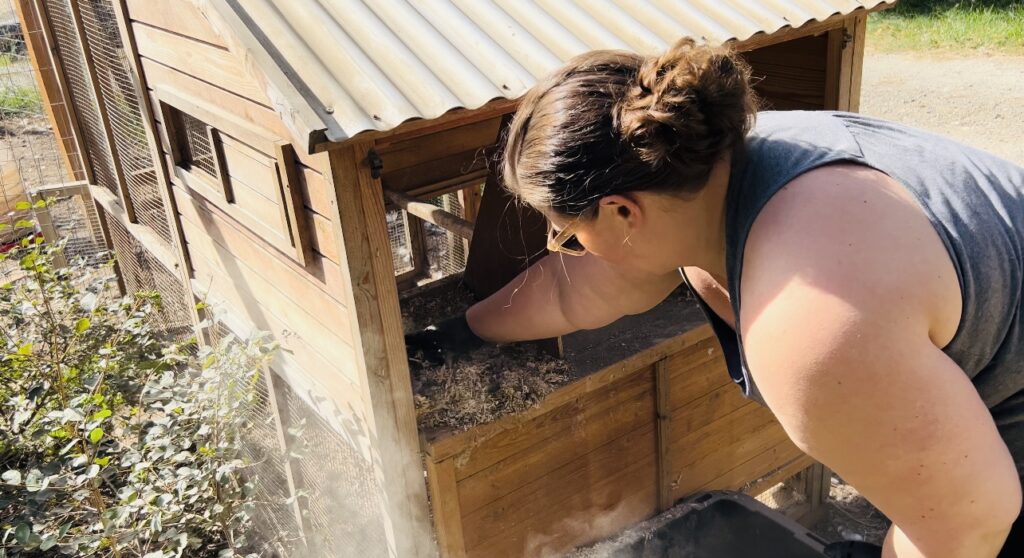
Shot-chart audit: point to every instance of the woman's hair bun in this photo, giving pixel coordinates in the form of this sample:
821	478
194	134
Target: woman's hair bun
687	106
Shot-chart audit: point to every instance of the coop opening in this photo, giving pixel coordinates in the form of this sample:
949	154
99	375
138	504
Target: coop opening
457	236
196	148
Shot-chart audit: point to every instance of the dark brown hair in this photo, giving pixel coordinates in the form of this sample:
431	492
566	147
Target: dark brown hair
611	122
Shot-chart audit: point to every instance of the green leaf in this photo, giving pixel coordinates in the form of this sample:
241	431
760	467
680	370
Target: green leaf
25	350
12	476
89	302
100	415
22	533
102	461
48	542
24	224
4	226
82	324
39	204
95	435
22	205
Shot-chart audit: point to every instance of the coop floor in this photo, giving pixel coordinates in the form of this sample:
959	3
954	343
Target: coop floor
497	381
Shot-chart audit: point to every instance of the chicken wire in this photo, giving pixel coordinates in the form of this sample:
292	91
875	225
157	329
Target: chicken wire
443	253
76	74
398	237
123	107
30	158
342	504
75	220
141	271
198	151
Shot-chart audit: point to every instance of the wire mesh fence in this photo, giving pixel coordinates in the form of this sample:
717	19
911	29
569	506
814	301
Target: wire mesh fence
124	112
424	252
31	162
342	499
142	272
76	73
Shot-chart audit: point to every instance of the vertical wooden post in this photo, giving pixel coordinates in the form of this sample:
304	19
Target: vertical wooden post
101	108
856	54
44	218
664	418
108	242
845	64
447	515
470	200
156	154
361	229
49	81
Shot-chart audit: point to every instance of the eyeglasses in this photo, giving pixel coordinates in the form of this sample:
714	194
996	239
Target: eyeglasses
565	240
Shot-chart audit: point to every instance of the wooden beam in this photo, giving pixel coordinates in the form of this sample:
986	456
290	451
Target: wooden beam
54	56
143	234
444	494
664	419
853	63
361	230
178	246
431	214
55	101
101	108
108	241
290	202
835	67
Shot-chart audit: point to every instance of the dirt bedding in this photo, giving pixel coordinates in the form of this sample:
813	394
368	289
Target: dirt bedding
497	381
490	383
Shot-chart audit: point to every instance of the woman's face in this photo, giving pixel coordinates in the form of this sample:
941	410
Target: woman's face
640	231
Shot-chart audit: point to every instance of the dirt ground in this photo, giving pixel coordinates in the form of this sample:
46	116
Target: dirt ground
977	99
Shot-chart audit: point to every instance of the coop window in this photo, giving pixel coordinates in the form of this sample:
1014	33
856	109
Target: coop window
196	147
423	252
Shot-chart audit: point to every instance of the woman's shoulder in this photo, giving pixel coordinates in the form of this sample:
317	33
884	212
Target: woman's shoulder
855	232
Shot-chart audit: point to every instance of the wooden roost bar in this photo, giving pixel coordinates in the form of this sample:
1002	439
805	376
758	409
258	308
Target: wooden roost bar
303	166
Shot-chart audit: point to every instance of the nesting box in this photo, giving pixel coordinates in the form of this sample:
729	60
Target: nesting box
274	158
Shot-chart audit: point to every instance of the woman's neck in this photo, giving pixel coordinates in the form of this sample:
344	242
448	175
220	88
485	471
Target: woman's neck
707	223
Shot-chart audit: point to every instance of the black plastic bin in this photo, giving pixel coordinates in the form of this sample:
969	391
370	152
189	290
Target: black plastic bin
713	525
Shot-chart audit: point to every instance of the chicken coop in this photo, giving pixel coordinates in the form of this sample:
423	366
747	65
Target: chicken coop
323	170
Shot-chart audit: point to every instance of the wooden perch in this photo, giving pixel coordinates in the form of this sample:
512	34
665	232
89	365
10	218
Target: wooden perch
432	214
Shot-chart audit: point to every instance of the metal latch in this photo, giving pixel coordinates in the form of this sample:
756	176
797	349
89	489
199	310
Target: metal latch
376	163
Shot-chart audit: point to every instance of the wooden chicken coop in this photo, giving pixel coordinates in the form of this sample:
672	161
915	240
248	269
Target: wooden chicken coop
308	167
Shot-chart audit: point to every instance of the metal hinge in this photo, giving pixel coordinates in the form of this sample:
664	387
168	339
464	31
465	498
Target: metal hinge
375	162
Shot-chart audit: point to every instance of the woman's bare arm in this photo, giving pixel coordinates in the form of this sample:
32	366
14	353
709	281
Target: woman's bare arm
561	294
840	297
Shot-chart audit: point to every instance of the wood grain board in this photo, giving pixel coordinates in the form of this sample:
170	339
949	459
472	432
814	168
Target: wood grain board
588	460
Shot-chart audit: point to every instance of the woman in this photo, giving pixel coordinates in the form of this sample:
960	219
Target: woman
864	279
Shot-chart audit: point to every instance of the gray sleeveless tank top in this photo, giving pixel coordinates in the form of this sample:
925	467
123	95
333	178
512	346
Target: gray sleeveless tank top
974	200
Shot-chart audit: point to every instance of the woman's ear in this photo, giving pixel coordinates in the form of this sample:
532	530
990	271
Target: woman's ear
623	206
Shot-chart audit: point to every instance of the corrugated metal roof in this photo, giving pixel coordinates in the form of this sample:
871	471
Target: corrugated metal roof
373	64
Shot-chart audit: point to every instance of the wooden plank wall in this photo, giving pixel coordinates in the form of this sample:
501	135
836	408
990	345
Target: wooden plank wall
590	460
791	75
239	268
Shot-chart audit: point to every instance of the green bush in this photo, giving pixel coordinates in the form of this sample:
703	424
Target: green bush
114	441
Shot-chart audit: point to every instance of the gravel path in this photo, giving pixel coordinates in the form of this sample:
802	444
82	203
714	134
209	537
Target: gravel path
976	98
